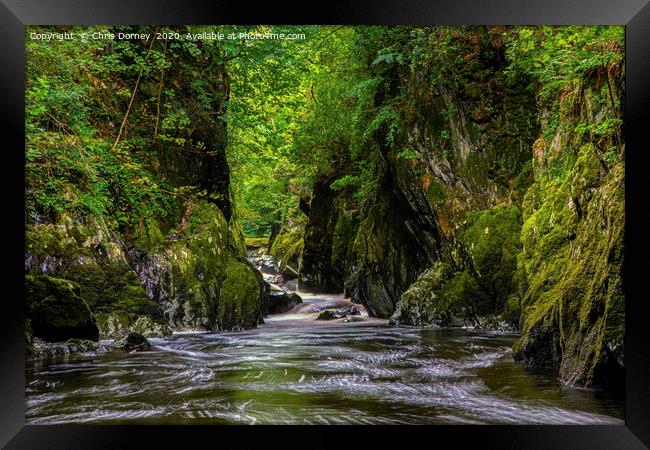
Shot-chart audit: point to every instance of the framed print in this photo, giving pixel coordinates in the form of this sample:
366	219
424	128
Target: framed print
376	217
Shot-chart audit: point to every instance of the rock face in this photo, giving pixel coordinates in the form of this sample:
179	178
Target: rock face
482	285
573	246
459	160
186	269
317	271
56	310
288	245
200	279
498	204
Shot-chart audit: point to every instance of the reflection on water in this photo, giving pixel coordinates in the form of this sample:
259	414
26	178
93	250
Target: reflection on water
295	370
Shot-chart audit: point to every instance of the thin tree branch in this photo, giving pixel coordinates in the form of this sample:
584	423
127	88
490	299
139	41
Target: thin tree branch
135	89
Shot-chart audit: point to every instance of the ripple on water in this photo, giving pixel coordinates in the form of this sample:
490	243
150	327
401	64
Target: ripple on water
319	375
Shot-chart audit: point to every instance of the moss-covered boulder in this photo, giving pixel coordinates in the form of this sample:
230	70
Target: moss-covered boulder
256	242
113	326
56	310
87	253
288	243
478	289
424	303
243	298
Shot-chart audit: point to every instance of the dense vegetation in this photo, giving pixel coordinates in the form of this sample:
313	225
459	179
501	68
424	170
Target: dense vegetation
439	175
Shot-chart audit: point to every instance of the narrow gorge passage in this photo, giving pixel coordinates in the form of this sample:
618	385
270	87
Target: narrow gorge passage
360	224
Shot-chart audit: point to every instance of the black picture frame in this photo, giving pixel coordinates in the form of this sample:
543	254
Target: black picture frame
634	14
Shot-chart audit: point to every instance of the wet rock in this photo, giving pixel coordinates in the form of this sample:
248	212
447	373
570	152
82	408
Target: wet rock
282	302
349	311
264	262
327	315
350	319
495	323
134	342
46	350
339	313
113	326
148	328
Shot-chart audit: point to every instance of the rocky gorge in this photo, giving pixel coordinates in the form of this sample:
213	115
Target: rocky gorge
496	205
438	191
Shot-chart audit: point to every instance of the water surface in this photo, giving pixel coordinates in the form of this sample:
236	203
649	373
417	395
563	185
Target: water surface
296	370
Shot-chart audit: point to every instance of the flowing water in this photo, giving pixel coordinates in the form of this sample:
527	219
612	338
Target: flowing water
297	370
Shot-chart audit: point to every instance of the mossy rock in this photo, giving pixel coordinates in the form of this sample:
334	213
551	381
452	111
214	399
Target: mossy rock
491	241
573	312
148	328
113	326
444	296
287	249
241	297
133	342
56	310
256	242
423	303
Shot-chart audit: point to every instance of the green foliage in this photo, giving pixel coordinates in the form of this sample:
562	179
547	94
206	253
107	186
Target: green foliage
77	96
557	56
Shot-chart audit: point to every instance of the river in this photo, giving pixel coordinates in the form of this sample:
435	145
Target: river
297	370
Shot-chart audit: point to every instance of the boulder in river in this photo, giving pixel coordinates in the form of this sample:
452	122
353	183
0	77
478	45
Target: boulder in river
134	342
281	302
148	328
328	314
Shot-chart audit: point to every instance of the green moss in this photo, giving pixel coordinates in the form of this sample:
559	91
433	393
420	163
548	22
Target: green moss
486	283
112	287
287	250
491	241
252	242
572	265
240	297
56	310
424	303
